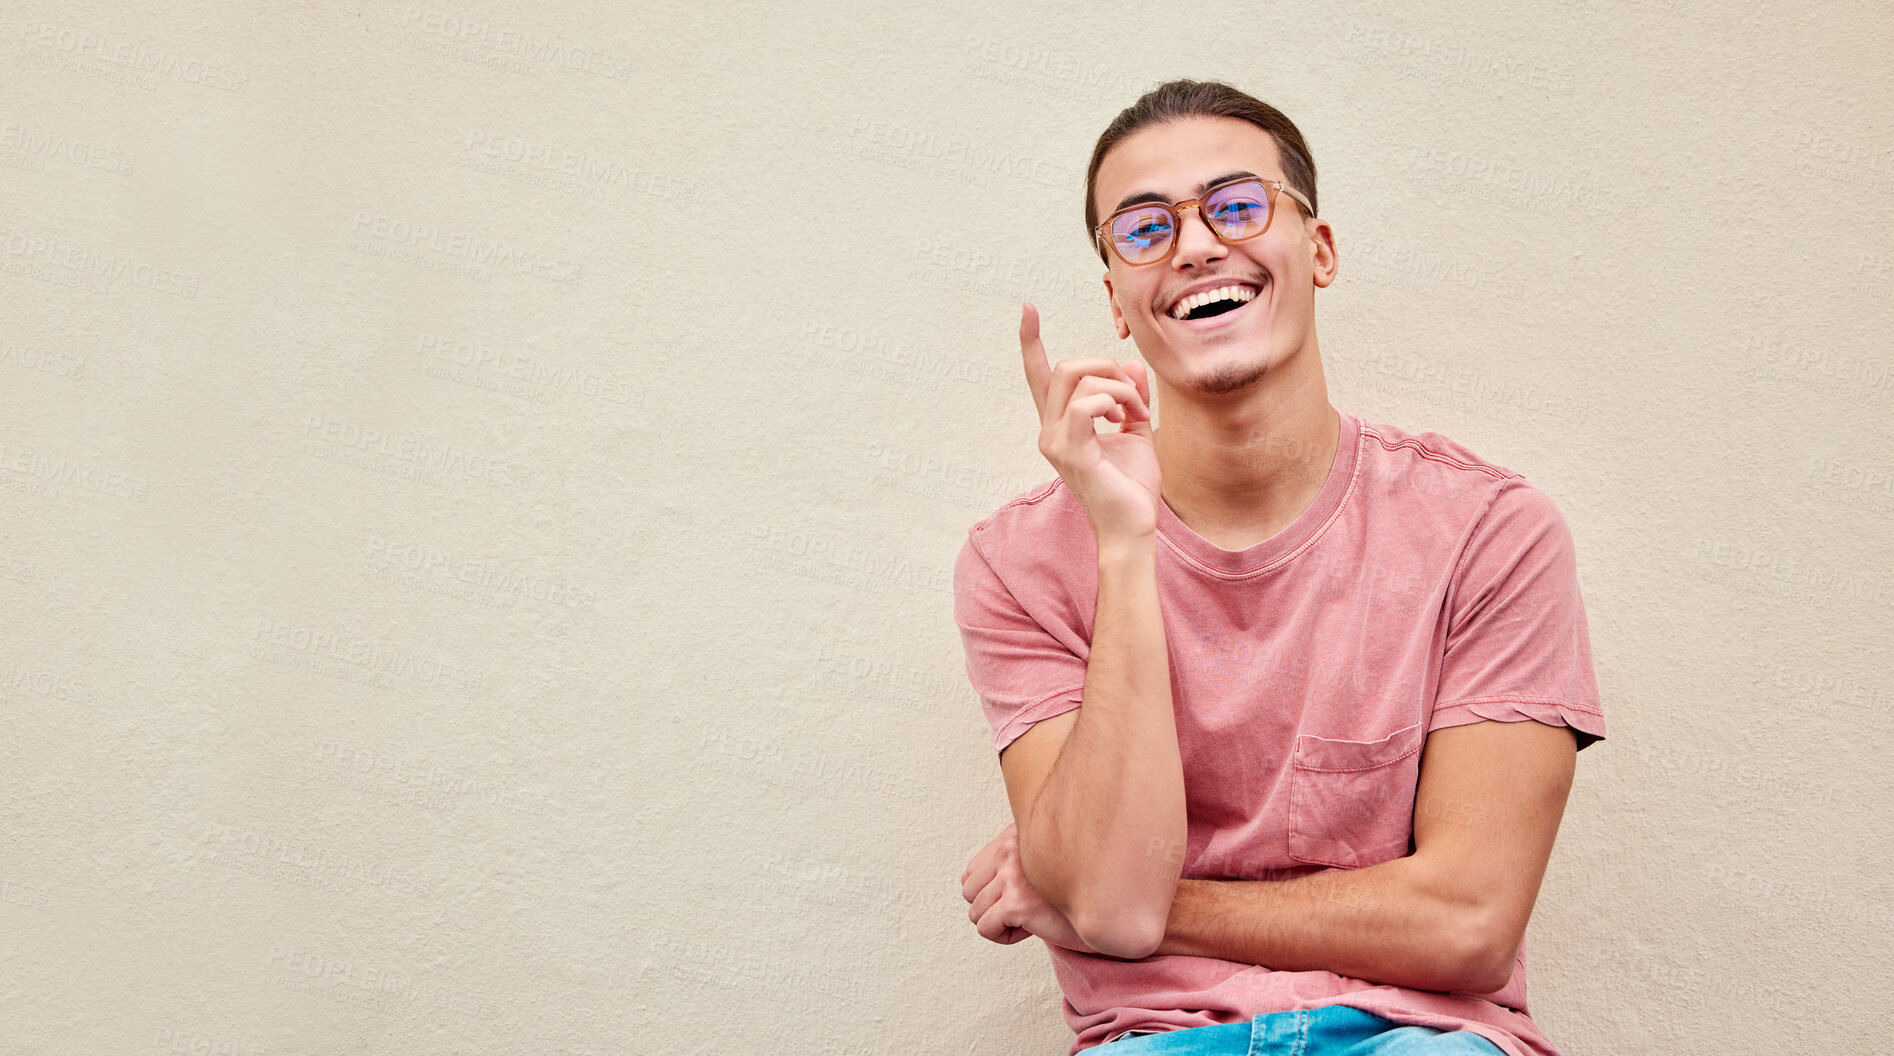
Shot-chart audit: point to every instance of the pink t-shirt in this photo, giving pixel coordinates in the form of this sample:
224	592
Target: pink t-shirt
1425	587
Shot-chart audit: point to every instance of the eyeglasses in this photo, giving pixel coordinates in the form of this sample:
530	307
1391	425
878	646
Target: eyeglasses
1235	211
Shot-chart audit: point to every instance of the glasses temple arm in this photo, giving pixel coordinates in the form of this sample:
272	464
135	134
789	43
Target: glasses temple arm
1297	195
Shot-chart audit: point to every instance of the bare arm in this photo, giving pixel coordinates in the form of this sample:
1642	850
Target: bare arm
1090	807
1091	793
1450	916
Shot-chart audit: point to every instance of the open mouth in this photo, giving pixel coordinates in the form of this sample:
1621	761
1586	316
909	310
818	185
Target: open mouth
1215	308
1212	304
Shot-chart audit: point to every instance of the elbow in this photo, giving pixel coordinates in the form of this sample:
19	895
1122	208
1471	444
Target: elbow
1481	958
1125	935
1128	931
1490	974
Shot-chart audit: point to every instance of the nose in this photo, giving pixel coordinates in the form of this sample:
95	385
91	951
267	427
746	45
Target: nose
1196	243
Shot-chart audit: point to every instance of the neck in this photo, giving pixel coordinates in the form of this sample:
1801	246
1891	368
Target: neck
1241	466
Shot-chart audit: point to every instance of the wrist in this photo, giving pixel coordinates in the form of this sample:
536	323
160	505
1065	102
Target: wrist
1120	547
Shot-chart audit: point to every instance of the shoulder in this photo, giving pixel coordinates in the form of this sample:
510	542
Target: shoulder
1430	452
1043	502
1045	515
1452	487
1522	515
1037	534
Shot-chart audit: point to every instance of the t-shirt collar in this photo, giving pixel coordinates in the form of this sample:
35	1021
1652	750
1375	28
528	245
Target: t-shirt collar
1286	544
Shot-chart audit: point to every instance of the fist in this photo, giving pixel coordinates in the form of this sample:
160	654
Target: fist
1004	906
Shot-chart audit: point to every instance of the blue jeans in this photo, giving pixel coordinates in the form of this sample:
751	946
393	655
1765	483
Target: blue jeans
1332	1030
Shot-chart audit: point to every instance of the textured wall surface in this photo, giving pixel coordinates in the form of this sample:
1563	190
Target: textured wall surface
468	586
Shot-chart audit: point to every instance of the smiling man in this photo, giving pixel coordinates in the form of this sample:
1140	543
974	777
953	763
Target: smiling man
1287	702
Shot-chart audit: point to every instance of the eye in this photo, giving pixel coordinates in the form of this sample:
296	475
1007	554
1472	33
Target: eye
1142	228
1238	208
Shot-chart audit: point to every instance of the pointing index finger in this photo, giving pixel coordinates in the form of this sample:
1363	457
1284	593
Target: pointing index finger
1038	371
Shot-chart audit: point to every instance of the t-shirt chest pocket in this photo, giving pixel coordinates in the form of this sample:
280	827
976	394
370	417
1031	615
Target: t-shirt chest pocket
1351	803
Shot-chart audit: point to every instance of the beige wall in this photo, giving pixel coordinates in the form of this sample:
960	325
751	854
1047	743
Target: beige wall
464	593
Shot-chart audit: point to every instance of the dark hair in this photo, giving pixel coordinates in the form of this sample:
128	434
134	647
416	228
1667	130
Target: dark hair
1176	100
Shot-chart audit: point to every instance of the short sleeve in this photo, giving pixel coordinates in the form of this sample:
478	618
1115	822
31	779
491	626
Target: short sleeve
1517	644
1021	671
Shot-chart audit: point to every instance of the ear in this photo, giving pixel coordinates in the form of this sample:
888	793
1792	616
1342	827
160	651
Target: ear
1322	260
1117	315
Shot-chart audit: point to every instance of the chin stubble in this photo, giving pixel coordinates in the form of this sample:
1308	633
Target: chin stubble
1231	377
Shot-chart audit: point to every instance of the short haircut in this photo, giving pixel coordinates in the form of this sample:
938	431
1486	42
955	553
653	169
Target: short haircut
1176	100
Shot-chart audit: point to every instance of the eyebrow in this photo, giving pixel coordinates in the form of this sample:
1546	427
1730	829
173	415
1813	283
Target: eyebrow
1153	196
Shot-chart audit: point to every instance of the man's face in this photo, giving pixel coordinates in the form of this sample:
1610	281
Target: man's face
1282	267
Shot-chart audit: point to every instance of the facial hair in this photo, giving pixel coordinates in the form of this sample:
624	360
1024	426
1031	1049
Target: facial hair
1230	378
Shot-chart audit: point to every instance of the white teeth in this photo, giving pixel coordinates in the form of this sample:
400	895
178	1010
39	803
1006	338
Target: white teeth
1189	304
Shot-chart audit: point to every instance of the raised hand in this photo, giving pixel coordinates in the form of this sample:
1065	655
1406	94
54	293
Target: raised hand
1114	475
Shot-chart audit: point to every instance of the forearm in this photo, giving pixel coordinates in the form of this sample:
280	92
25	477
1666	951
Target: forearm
1117	787
1394	923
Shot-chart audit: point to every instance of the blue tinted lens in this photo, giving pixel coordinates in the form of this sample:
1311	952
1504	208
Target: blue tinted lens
1142	234
1240	210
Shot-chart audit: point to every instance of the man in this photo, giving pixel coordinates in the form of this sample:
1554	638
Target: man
1287	702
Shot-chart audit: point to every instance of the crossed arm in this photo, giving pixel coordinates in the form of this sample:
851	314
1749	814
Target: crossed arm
1449	916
